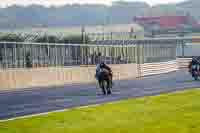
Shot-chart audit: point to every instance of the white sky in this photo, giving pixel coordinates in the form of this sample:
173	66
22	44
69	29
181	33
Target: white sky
4	3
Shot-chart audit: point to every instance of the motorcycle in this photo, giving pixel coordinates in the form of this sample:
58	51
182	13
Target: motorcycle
194	72
194	68
195	75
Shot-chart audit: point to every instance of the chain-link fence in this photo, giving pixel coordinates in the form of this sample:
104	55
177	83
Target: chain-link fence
21	55
159	52
188	50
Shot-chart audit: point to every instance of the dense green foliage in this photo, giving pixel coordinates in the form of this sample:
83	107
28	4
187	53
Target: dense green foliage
73	39
11	37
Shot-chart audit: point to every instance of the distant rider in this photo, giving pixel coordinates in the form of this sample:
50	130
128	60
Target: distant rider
194	66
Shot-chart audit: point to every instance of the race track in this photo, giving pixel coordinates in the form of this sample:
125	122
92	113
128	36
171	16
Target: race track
26	102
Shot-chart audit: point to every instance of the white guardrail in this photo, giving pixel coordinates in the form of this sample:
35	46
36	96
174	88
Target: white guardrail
183	62
158	68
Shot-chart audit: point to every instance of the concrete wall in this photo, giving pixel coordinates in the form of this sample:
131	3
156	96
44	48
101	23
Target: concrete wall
43	77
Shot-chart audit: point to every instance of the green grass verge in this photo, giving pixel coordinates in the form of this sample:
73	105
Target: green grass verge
170	113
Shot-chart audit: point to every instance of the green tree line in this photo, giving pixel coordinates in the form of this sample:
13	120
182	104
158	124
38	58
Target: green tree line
73	39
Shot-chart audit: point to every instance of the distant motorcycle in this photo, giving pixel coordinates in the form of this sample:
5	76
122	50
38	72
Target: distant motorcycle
194	71
195	75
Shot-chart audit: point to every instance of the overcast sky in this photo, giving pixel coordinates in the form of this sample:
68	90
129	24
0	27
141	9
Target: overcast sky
4	3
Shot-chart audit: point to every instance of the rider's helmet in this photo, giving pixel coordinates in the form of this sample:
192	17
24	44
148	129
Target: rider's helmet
102	64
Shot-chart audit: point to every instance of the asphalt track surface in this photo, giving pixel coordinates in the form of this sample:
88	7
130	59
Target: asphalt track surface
37	100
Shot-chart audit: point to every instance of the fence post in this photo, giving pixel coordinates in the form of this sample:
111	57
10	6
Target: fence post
48	54
15	55
5	56
56	50
183	47
138	60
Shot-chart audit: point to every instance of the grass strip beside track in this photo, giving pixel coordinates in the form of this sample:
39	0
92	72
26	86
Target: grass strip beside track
176	112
